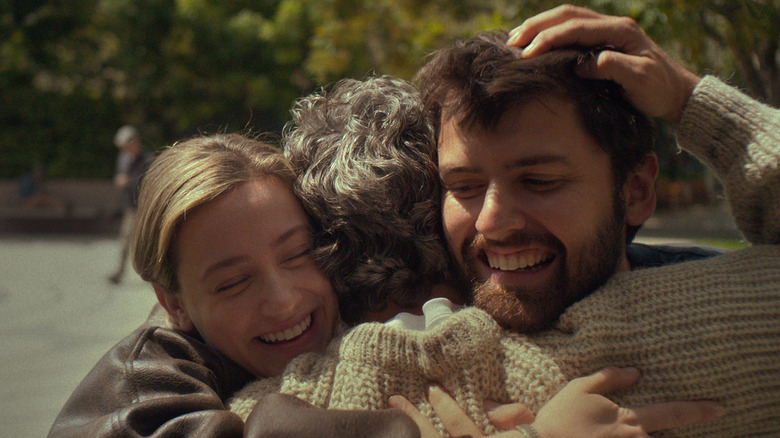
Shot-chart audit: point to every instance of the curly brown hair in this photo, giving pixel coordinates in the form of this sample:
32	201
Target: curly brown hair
365	158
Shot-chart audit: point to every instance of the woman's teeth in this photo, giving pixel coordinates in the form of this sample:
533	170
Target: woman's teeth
289	334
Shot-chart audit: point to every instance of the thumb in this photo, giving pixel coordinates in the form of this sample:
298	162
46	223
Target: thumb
627	70
646	87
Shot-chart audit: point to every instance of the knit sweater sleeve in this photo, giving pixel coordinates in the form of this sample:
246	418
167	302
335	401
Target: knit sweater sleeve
700	330
739	139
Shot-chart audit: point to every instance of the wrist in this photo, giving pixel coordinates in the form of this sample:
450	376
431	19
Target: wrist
689	83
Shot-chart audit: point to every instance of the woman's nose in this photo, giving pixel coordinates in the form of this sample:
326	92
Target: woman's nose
278	297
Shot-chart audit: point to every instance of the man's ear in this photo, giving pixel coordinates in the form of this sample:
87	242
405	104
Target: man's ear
175	308
639	191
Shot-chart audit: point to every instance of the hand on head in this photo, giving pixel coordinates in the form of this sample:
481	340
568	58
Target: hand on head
654	83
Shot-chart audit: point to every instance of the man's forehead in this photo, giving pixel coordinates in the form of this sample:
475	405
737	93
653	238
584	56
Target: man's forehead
455	133
538	131
513	119
464	154
504	117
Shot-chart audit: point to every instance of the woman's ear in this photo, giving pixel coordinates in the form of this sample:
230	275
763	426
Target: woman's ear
173	305
639	191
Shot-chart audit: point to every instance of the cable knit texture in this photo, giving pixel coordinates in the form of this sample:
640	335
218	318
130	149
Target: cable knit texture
465	354
706	329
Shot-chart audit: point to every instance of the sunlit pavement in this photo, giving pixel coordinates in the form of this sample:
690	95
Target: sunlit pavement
58	316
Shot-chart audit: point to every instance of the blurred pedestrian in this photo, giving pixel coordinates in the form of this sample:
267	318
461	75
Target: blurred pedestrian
131	164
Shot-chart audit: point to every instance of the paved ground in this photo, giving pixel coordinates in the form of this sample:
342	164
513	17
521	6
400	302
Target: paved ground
697	222
58	315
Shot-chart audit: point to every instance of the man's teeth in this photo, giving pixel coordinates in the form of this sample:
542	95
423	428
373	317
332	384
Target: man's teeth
288	334
514	262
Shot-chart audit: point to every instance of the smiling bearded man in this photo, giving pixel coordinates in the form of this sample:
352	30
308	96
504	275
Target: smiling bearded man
541	190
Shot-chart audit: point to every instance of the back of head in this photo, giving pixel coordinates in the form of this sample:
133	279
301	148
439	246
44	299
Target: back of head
185	176
364	156
479	79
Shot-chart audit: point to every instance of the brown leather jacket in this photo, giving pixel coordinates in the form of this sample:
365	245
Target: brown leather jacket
160	382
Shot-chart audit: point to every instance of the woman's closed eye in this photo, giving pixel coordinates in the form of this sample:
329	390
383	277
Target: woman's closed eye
233	285
298	257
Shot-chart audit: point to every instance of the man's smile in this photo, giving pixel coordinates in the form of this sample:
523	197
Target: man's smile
525	260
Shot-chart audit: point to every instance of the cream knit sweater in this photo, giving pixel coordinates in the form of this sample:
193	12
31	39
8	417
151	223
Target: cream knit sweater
739	140
707	329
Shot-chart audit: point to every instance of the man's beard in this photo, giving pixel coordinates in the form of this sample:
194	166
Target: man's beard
533	309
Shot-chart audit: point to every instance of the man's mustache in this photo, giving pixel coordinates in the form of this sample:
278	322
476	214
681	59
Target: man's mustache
522	238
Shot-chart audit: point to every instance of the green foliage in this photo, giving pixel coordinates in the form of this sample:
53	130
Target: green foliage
736	39
73	71
69	139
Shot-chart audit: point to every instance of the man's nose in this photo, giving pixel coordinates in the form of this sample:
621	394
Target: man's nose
501	214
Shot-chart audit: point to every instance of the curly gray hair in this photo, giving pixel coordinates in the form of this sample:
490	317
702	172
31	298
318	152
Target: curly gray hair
365	159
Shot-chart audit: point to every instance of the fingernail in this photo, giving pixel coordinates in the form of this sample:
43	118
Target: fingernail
512	39
529	48
634	371
490	406
435	393
395	401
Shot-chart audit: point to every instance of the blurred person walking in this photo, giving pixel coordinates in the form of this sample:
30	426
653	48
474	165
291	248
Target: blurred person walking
131	164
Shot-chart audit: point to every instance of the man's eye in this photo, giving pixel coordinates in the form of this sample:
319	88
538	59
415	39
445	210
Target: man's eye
540	184
464	190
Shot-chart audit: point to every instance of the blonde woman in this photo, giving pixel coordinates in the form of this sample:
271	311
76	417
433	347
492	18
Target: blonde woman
226	246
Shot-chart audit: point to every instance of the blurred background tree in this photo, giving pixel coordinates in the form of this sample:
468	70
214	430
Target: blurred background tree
72	71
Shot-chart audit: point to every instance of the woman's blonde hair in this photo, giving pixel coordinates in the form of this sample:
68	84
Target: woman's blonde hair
185	176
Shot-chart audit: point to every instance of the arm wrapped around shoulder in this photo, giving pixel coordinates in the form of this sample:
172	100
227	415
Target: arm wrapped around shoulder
702	330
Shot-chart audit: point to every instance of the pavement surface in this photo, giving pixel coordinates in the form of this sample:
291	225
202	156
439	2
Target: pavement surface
694	223
59	315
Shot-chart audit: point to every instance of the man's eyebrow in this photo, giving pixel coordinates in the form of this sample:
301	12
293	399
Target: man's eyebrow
230	261
536	160
447	170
